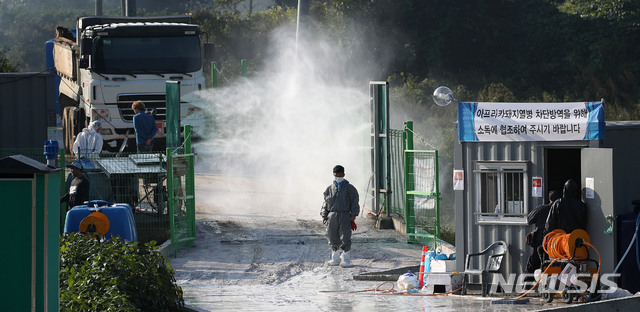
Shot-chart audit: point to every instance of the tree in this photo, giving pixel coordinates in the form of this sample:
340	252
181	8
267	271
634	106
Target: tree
6	65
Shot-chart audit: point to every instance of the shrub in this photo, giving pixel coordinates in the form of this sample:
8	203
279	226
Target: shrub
115	276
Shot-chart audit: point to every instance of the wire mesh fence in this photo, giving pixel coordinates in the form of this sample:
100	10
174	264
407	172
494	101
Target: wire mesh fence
135	179
181	199
415	195
397	199
422	215
138	180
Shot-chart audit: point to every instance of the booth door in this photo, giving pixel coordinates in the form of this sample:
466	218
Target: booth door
597	192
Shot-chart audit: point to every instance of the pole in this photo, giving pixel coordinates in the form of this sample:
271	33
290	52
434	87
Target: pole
243	68
301	23
131	8
98	7
214	74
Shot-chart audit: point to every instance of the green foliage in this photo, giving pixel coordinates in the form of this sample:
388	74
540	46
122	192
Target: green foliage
115	276
608	9
557	50
496	92
6	66
238	36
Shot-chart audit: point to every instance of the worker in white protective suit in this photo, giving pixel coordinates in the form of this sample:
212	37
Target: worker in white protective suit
88	143
339	213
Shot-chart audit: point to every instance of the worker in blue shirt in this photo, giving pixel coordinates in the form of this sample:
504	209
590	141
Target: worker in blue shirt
145	126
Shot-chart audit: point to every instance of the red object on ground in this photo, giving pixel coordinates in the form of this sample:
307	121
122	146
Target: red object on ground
353	226
421	273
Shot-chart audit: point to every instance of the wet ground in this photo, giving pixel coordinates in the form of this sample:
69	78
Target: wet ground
265	252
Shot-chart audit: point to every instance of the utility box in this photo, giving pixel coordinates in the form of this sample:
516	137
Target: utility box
29	234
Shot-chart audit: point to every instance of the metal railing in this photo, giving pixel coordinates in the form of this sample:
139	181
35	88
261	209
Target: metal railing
160	188
181	199
415	194
396	198
422	215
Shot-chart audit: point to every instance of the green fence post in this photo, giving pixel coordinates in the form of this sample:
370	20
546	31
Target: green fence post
243	68
63	188
437	182
173	113
190	188
408	137
170	200
214	74
408	172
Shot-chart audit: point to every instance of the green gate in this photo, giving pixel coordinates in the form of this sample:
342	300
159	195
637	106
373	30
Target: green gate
181	193
396	176
422	200
414	192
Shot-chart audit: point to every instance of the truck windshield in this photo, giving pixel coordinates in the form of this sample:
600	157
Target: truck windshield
118	55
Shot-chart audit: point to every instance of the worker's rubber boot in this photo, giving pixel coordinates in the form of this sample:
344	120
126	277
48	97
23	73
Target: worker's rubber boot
335	257
345	260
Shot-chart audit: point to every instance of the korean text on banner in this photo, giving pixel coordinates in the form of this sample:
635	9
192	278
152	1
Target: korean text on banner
505	122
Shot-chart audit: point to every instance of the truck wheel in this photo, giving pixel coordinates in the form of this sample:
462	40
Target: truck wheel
79	120
66	101
67	129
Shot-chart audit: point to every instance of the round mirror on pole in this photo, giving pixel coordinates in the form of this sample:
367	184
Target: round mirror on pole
443	96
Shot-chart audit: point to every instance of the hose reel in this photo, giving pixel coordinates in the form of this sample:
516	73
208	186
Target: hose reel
560	245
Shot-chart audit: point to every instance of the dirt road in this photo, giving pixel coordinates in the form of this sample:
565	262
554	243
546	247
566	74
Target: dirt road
259	250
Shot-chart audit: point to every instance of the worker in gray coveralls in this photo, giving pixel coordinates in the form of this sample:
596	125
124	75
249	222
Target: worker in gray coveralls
339	210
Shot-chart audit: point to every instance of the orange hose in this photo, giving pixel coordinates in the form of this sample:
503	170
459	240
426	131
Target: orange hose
559	245
538	281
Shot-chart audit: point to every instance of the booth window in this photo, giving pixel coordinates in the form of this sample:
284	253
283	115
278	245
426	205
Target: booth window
500	192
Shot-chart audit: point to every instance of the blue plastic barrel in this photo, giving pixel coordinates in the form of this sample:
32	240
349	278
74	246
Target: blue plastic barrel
120	217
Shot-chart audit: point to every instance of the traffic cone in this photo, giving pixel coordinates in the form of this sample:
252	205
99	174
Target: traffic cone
421	273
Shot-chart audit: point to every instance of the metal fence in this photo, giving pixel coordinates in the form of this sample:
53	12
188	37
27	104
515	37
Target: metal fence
415	194
140	180
422	215
181	199
397	200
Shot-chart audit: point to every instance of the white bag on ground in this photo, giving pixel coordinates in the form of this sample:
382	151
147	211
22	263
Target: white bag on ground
408	281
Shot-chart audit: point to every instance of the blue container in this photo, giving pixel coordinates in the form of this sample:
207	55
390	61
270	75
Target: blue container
51	149
120	218
427	260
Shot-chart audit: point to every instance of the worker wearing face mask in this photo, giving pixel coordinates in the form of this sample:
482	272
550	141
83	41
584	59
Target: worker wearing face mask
339	212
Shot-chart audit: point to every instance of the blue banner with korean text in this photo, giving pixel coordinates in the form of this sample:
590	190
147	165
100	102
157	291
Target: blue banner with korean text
504	122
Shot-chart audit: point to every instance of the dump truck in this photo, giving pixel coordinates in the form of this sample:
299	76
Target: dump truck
110	62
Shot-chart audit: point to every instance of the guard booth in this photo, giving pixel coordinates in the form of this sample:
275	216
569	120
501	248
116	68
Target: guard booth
29	234
510	155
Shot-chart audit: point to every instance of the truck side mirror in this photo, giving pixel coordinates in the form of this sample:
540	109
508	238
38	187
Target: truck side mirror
209	50
83	62
86	44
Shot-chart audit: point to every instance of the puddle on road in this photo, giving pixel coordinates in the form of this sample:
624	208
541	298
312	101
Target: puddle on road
307	292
